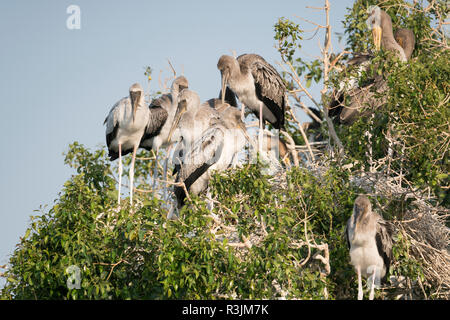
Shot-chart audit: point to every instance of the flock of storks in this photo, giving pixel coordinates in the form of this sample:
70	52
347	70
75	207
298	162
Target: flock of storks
211	134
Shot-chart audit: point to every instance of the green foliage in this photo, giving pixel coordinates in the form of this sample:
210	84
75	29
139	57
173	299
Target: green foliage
416	116
135	253
288	35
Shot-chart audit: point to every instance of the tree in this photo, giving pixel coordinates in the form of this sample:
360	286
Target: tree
260	235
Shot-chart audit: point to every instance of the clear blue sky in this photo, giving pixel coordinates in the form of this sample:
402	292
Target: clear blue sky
57	85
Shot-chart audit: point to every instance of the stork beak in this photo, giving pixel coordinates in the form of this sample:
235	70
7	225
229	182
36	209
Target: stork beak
224	84
182	107
135	98
376	34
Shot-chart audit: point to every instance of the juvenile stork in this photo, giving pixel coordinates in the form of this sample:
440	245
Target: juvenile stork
125	126
383	36
191	118
369	239
213	150
402	44
257	85
162	114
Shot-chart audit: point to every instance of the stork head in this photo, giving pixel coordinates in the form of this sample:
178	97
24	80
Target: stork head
362	206
180	83
136	94
226	65
187	100
374	24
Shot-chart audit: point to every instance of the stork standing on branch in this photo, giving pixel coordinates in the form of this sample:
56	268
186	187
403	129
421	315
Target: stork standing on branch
162	114
125	126
258	86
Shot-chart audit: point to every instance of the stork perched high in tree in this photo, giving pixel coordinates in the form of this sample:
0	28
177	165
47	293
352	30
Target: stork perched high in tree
162	115
125	126
369	239
401	43
257	85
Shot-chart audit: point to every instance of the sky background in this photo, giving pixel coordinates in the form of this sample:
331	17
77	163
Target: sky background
57	85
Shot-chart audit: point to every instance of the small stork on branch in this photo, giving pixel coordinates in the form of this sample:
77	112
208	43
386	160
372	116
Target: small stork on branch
369	238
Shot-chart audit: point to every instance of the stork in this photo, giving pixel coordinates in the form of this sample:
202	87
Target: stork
213	150
257	85
125	126
191	118
381	25
162	114
369	238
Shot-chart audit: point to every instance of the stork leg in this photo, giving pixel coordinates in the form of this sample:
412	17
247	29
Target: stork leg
132	173
166	164
260	135
372	284
242	112
120	172
360	288
155	172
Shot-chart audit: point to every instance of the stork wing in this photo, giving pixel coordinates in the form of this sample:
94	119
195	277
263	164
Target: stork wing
363	100
269	85
112	120
203	153
157	117
347	236
383	238
360	58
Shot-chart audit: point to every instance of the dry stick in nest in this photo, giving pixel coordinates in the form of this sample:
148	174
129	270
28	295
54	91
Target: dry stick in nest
290	145
302	132
326	69
326	62
173	69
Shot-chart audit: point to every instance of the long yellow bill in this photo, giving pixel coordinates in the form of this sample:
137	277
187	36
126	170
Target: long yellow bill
376	34
224	85
181	109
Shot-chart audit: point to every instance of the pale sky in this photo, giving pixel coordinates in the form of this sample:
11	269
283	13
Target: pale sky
57	85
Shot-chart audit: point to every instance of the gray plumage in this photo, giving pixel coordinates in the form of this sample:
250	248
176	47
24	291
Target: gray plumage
162	113
257	84
213	149
157	118
203	153
125	123
369	238
125	126
380	21
191	118
406	39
